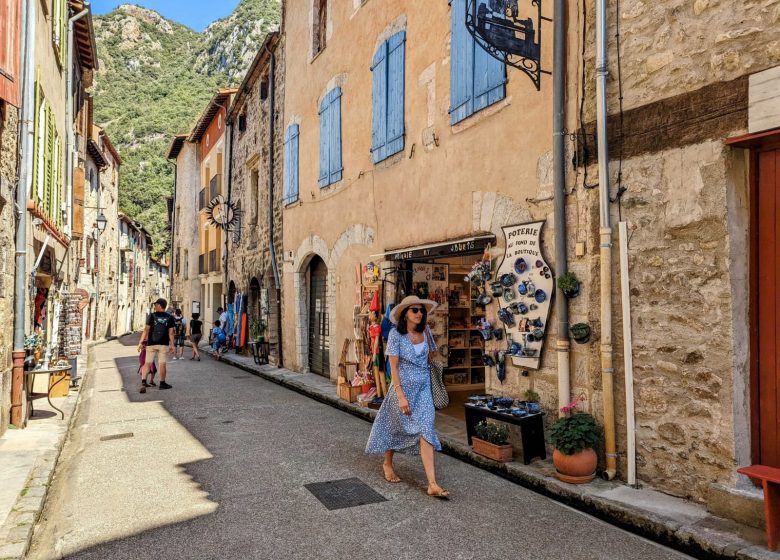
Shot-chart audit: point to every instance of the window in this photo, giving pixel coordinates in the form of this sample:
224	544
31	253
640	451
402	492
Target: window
202	199
254	193
319	26
47	152
213	187
291	164
186	264
477	80
10	69
387	127
330	138
59	27
242	122
264	88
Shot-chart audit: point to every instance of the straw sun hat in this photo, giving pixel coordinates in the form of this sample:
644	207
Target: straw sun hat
409	301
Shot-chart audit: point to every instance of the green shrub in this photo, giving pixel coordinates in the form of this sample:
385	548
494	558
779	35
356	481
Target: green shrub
531	395
568	281
497	434
572	434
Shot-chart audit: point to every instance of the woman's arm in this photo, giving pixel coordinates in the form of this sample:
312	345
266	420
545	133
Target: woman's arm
396	377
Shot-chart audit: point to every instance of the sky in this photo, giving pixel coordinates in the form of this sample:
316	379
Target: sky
196	14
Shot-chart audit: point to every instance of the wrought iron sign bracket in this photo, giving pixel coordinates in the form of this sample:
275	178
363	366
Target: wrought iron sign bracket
497	27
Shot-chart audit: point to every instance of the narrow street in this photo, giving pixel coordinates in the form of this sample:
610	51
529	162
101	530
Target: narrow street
217	468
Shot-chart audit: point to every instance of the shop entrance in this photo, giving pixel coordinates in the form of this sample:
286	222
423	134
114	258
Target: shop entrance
766	377
319	329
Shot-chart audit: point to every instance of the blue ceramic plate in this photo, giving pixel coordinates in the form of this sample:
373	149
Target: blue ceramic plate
520	265
540	296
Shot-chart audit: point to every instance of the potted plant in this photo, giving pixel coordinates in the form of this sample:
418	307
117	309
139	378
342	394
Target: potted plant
569	284
491	441
257	329
531	396
573	437
580	332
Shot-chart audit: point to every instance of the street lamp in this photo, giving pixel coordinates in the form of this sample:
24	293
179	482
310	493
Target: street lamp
102	221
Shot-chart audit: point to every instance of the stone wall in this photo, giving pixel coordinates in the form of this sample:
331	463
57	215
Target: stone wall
248	252
8	177
107	324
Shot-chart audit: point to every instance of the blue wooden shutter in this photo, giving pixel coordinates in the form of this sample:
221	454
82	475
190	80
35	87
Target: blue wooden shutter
489	77
324	139
461	64
395	93
379	104
291	164
335	136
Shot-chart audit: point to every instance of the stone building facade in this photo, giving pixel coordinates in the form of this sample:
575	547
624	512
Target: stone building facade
247	247
9	118
686	191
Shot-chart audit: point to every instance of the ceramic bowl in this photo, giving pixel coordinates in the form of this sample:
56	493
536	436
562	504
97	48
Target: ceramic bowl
538	334
508	279
509	294
522	288
540	296
522	308
520	265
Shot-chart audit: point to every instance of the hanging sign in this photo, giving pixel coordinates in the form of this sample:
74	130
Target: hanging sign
523	287
222	214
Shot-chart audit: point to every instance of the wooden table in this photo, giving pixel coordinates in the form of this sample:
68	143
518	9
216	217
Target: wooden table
531	428
29	383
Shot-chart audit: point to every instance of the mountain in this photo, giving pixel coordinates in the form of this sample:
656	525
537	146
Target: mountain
155	78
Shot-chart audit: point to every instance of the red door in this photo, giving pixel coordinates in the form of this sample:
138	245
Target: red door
766	390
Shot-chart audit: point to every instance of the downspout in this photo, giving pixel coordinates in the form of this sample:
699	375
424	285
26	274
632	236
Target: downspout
559	202
69	140
23	187
605	232
225	292
174	261
271	248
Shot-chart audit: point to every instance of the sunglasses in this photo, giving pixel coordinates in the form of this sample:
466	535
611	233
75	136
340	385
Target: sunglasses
416	309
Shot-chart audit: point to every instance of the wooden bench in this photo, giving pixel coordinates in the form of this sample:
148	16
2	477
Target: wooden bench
770	481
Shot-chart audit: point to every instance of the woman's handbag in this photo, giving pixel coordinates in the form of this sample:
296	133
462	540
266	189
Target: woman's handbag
440	397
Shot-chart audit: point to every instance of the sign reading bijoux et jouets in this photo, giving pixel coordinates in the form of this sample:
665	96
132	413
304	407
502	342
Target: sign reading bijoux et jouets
522	287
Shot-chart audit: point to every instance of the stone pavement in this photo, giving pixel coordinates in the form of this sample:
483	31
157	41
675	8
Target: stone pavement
27	461
217	466
676	522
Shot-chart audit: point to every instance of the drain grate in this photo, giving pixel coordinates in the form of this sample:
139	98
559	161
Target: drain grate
241	376
117	436
346	493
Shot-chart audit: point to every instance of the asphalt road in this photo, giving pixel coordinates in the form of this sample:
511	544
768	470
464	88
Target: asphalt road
217	466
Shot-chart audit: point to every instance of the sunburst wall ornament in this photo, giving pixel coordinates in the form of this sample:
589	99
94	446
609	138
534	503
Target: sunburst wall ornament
222	214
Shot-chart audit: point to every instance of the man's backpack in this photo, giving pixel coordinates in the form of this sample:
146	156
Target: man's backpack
159	329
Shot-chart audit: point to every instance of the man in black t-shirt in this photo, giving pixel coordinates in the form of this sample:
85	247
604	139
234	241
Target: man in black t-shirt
158	334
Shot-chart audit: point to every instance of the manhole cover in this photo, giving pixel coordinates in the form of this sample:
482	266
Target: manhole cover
241	376
349	492
117	436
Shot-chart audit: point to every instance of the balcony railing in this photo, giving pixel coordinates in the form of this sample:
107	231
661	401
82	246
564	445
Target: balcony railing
124	242
213	261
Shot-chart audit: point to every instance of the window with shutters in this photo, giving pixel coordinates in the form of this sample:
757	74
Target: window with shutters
254	194
387	125
330	138
59	28
10	67
477	80
291	165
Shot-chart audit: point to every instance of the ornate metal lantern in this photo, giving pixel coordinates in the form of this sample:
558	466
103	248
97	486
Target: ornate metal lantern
497	26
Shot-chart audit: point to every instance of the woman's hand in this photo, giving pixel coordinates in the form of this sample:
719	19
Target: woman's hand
404	405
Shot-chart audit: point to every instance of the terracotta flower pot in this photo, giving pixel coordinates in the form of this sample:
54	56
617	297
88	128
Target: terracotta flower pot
501	453
575	469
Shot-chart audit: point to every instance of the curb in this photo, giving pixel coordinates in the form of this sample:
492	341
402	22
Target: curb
19	527
696	540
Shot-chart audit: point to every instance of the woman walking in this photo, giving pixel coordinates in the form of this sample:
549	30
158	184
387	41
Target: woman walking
196	332
405	422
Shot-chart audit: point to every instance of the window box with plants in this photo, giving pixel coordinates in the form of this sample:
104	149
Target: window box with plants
573	438
569	284
492	441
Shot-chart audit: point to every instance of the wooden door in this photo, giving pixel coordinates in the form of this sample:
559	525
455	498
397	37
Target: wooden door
766	400
319	329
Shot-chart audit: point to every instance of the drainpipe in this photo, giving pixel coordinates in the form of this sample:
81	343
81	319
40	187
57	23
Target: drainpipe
559	203
271	248
605	232
173	233
225	292
69	140
23	187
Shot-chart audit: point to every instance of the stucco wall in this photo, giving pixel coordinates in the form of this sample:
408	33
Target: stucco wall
185	282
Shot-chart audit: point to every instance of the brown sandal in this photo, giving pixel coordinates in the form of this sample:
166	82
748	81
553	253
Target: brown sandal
441	493
394	479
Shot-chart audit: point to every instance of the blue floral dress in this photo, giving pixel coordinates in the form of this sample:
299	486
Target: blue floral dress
393	429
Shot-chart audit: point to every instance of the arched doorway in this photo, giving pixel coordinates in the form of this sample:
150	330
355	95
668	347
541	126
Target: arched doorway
319	328
253	308
231	293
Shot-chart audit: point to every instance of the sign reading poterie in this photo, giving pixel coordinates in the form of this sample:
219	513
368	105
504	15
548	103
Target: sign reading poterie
523	288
